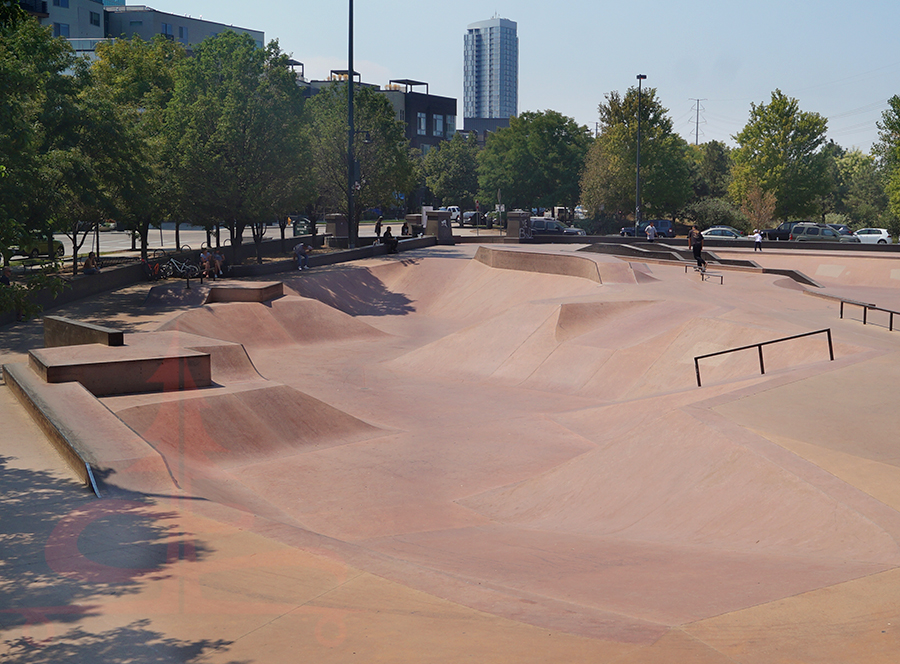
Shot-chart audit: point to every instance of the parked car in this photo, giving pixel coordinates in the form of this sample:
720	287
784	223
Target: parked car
664	228
843	229
454	212
721	233
819	233
470	218
783	231
543	226
734	230
34	248
874	235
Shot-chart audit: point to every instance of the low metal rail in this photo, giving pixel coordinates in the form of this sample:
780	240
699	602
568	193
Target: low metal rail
759	347
871	307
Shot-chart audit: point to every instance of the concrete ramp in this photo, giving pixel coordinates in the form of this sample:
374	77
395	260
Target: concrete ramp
283	322
234	428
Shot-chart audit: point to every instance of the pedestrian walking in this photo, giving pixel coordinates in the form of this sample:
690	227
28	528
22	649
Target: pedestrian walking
695	242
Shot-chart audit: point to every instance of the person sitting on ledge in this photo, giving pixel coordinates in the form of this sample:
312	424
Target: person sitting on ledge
404	229
90	265
389	241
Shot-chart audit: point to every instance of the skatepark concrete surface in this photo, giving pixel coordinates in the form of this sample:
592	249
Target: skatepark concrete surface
469	454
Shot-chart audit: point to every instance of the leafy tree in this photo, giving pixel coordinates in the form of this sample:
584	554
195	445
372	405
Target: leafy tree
608	183
38	126
451	170
11	13
713	169
759	206
780	150
138	79
385	167
234	123
535	162
887	150
862	195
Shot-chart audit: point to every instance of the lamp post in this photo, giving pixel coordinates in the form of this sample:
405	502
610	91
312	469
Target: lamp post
351	159
637	195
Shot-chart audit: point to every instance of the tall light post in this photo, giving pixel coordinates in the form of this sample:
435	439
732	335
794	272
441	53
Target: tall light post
637	195
351	158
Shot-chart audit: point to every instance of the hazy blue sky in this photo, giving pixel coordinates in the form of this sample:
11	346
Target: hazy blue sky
839	58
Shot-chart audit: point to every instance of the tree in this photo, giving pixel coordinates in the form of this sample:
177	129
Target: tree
887	149
234	123
780	150
451	170
138	79
385	168
609	183
535	162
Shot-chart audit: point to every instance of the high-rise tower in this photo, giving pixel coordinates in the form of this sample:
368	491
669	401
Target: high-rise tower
491	69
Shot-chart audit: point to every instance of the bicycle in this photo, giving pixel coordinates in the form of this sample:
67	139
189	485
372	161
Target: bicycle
176	268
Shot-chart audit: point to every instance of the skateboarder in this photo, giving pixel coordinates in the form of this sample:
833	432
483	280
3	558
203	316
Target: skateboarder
695	242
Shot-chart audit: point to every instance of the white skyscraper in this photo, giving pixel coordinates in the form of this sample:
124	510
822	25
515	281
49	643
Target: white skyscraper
491	69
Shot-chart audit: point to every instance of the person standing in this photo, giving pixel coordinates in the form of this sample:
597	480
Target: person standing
5	278
378	227
695	242
651	232
757	240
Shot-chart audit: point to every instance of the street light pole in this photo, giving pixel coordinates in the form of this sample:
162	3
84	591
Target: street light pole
637	195
351	159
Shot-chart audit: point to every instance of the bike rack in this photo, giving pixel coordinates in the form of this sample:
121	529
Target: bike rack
762	368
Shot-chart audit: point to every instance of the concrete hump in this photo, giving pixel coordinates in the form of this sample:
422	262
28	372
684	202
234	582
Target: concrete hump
239	428
675	480
283	322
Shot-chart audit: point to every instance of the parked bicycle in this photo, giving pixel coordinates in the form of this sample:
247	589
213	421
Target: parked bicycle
176	268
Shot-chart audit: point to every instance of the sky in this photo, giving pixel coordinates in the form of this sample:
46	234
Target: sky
839	59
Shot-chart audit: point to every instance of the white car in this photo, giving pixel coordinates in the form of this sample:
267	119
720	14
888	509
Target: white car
722	233
873	235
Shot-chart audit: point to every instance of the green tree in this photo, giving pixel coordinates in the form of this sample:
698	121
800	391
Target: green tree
535	162
451	170
780	149
138	79
608	184
385	166
234	123
887	150
39	123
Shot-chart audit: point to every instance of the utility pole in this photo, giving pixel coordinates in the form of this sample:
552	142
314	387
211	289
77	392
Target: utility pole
697	130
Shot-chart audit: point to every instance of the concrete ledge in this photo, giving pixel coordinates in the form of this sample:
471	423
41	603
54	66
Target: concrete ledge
530	261
90	438
105	371
256	292
59	331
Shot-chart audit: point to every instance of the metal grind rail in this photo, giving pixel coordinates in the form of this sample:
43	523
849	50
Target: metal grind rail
871	307
759	347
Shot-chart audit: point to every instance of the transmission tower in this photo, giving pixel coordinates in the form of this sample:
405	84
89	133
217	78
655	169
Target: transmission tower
697	130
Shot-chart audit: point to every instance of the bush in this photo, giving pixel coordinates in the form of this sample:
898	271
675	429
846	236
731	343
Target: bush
709	212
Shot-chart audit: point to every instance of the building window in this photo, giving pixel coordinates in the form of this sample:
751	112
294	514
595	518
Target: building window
95	18
166	29
438	125
135	24
60	29
451	125
422	124
182	33
60	3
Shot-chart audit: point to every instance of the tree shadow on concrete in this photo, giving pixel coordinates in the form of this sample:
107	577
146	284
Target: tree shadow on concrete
353	290
122	645
61	547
